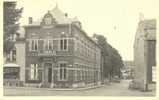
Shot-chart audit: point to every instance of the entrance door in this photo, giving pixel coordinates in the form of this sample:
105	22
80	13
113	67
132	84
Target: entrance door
49	75
48	72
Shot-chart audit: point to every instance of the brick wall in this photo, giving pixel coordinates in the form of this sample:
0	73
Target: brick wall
90	73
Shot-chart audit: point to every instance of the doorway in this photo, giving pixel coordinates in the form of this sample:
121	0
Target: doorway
49	75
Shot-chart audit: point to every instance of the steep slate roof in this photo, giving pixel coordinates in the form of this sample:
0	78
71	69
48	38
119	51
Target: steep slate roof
60	17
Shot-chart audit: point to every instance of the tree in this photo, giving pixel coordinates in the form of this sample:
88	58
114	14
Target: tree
112	61
117	62
11	16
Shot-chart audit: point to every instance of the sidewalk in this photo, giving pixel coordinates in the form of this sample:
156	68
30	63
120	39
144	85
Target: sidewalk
111	89
56	89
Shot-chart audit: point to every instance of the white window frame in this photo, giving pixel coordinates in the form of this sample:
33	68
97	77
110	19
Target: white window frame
75	74
59	73
48	42
63	44
34	71
80	75
32	44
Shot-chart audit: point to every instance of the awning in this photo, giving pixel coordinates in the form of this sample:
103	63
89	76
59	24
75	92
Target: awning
10	65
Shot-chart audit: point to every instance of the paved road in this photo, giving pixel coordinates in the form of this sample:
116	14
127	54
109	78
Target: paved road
113	89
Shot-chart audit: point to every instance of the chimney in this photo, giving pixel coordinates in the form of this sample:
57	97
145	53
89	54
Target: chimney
66	15
141	16
30	20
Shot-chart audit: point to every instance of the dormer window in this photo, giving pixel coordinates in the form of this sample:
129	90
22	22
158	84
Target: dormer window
48	19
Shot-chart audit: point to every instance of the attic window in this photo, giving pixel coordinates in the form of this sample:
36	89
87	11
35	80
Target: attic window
48	19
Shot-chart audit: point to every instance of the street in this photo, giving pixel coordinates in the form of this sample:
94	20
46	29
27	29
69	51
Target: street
112	89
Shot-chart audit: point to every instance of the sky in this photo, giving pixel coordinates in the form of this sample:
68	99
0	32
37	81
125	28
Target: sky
117	20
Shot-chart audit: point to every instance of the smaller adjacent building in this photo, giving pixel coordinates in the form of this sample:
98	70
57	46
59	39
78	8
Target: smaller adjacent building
11	75
145	54
11	70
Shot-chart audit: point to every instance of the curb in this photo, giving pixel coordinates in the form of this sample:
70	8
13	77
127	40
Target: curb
74	89
56	89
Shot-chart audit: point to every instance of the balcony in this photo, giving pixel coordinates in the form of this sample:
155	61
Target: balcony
47	53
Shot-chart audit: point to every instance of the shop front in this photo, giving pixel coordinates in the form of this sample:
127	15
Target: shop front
11	75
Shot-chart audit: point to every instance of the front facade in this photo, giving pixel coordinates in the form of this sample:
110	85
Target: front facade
145	54
56	52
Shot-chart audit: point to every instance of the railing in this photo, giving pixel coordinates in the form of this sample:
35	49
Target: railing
47	53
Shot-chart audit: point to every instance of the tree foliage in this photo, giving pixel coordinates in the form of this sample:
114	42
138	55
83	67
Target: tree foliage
11	16
112	61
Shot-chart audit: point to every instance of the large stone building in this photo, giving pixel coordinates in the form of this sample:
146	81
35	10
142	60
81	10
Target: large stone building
56	52
145	54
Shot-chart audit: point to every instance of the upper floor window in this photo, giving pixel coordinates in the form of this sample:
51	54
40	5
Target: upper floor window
63	44
33	45
48	44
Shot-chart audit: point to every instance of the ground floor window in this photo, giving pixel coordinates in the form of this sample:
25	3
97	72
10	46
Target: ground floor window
75	74
81	74
63	71
34	71
11	73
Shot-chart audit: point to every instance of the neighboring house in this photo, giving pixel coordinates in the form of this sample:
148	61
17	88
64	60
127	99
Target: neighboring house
56	52
11	70
145	54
